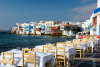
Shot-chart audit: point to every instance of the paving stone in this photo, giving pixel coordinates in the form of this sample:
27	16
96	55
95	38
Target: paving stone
85	65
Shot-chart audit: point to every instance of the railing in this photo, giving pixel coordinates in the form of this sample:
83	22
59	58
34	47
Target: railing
55	28
38	29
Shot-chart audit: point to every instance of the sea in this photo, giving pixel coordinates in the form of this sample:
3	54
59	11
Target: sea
12	41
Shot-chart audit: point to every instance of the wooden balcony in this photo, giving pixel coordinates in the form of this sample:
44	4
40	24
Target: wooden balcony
38	29
55	28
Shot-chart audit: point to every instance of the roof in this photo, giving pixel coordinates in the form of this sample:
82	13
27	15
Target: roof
69	25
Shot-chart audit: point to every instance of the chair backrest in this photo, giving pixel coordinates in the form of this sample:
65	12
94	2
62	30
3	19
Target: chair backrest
46	48
24	49
61	44
49	44
60	54
29	57
77	44
6	61
84	40
7	55
33	49
88	36
89	39
69	44
38	49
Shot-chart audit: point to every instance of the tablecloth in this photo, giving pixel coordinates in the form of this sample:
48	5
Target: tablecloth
41	58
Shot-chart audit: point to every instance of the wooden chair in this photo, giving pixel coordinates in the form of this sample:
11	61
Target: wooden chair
24	49
61	44
5	61
28	57
88	36
46	48
11	56
60	55
84	40
77	46
69	44
38	49
33	49
49	44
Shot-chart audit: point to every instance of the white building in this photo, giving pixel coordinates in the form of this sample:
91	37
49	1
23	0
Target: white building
33	27
70	29
26	28
85	26
40	28
95	21
49	24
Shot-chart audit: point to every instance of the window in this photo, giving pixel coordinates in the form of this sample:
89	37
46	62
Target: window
51	24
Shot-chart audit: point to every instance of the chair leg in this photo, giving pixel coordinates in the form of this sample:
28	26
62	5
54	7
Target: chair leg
80	54
69	63
64	62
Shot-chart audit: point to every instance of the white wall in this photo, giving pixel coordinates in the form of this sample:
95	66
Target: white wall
98	4
98	23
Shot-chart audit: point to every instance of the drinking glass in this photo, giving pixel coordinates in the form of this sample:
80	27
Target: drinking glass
18	48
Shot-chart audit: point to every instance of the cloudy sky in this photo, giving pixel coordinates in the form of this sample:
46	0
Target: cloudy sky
19	11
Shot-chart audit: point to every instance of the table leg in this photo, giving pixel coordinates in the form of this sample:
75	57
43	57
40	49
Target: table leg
92	50
97	46
67	63
73	59
83	53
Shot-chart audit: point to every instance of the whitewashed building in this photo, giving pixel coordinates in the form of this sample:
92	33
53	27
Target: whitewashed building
49	24
95	21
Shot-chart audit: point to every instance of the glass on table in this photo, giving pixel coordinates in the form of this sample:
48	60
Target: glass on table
18	48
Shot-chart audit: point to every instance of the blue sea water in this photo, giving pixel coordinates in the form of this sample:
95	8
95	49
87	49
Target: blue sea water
11	41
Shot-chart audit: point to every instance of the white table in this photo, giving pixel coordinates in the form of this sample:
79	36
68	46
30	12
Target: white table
68	52
84	47
7	65
41	58
97	41
91	44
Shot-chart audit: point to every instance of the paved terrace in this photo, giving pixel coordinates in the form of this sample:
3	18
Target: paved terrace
91	60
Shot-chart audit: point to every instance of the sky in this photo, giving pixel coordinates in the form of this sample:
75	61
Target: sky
20	11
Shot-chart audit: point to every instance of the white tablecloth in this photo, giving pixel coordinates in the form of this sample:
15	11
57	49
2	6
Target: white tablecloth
91	44
68	50
7	65
41	58
84	46
97	41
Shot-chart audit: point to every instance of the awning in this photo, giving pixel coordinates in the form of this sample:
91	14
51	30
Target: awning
97	10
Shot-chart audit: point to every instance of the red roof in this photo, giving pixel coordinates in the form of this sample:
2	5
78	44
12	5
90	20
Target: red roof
69	25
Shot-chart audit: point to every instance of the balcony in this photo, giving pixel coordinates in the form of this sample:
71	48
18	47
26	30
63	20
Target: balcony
55	28
49	26
38	29
97	10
